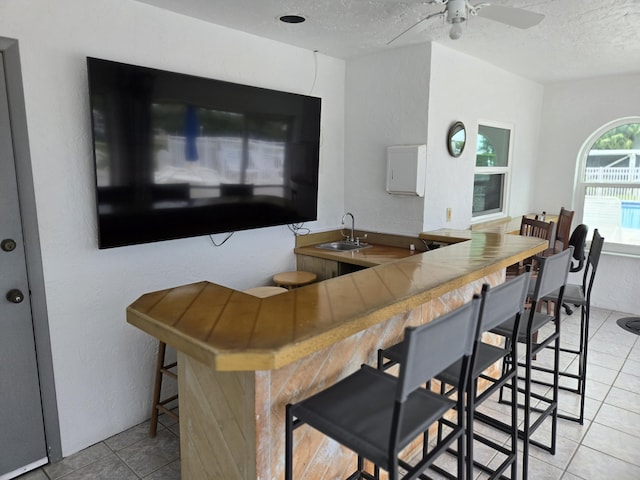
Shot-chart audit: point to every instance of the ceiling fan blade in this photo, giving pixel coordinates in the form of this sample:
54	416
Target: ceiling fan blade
516	17
414	26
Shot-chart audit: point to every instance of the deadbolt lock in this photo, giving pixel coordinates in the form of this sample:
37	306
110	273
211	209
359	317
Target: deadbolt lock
8	245
15	296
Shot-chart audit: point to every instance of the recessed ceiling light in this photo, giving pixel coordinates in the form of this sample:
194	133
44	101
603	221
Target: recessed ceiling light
292	18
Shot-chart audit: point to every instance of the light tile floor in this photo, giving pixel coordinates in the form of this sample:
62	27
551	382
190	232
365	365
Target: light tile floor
606	446
128	455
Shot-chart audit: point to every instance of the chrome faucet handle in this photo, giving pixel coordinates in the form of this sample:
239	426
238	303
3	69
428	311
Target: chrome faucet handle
358	239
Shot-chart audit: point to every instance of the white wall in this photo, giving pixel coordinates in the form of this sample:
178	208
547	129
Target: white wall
103	366
572	112
386	104
471	90
412	95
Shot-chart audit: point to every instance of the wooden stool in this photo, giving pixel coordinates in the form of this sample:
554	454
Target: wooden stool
263	292
295	279
159	405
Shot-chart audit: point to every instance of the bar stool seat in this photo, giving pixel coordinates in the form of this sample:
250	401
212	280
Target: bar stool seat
294	279
169	369
264	292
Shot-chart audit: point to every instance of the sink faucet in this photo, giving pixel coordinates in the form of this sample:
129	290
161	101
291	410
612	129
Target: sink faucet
351	239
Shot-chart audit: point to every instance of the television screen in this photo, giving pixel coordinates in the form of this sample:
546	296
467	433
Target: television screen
178	155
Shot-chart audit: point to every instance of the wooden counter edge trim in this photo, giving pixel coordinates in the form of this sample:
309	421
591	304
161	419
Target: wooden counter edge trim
256	359
305	347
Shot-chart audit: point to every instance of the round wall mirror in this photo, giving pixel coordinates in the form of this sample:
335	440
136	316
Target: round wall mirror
456	139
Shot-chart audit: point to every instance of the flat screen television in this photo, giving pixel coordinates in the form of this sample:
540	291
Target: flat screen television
178	155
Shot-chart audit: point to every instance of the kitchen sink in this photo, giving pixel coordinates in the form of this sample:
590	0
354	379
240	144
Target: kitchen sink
343	246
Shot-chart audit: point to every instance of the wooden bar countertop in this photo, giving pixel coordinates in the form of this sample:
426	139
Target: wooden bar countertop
229	330
371	256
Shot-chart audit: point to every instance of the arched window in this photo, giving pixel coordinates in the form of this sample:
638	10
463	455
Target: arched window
607	193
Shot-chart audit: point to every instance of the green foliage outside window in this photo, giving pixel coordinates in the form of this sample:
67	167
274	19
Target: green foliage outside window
624	137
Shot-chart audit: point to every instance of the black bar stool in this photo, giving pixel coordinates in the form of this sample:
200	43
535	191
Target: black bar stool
501	303
580	295
376	415
551	276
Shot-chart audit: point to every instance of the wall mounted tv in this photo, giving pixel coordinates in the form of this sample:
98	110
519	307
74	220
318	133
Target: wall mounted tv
178	155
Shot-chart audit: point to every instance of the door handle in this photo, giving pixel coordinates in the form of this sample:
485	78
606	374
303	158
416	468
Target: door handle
15	296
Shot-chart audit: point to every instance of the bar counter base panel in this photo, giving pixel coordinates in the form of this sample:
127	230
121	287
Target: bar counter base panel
232	423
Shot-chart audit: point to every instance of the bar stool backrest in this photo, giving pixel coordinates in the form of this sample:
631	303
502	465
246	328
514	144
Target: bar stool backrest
503	302
592	261
431	348
530	227
552	274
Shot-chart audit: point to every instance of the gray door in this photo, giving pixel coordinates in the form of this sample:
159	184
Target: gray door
22	439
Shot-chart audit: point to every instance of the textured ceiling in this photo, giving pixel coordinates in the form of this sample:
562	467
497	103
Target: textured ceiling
576	39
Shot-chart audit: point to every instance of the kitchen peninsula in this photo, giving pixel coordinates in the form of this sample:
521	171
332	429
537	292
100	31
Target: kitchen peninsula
242	358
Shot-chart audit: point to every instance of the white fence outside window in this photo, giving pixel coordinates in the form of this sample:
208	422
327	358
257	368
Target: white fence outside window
612	175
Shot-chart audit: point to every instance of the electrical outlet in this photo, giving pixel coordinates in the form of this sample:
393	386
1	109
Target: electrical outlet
449	214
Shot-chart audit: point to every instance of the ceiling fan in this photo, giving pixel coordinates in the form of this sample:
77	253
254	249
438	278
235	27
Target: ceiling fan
456	12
